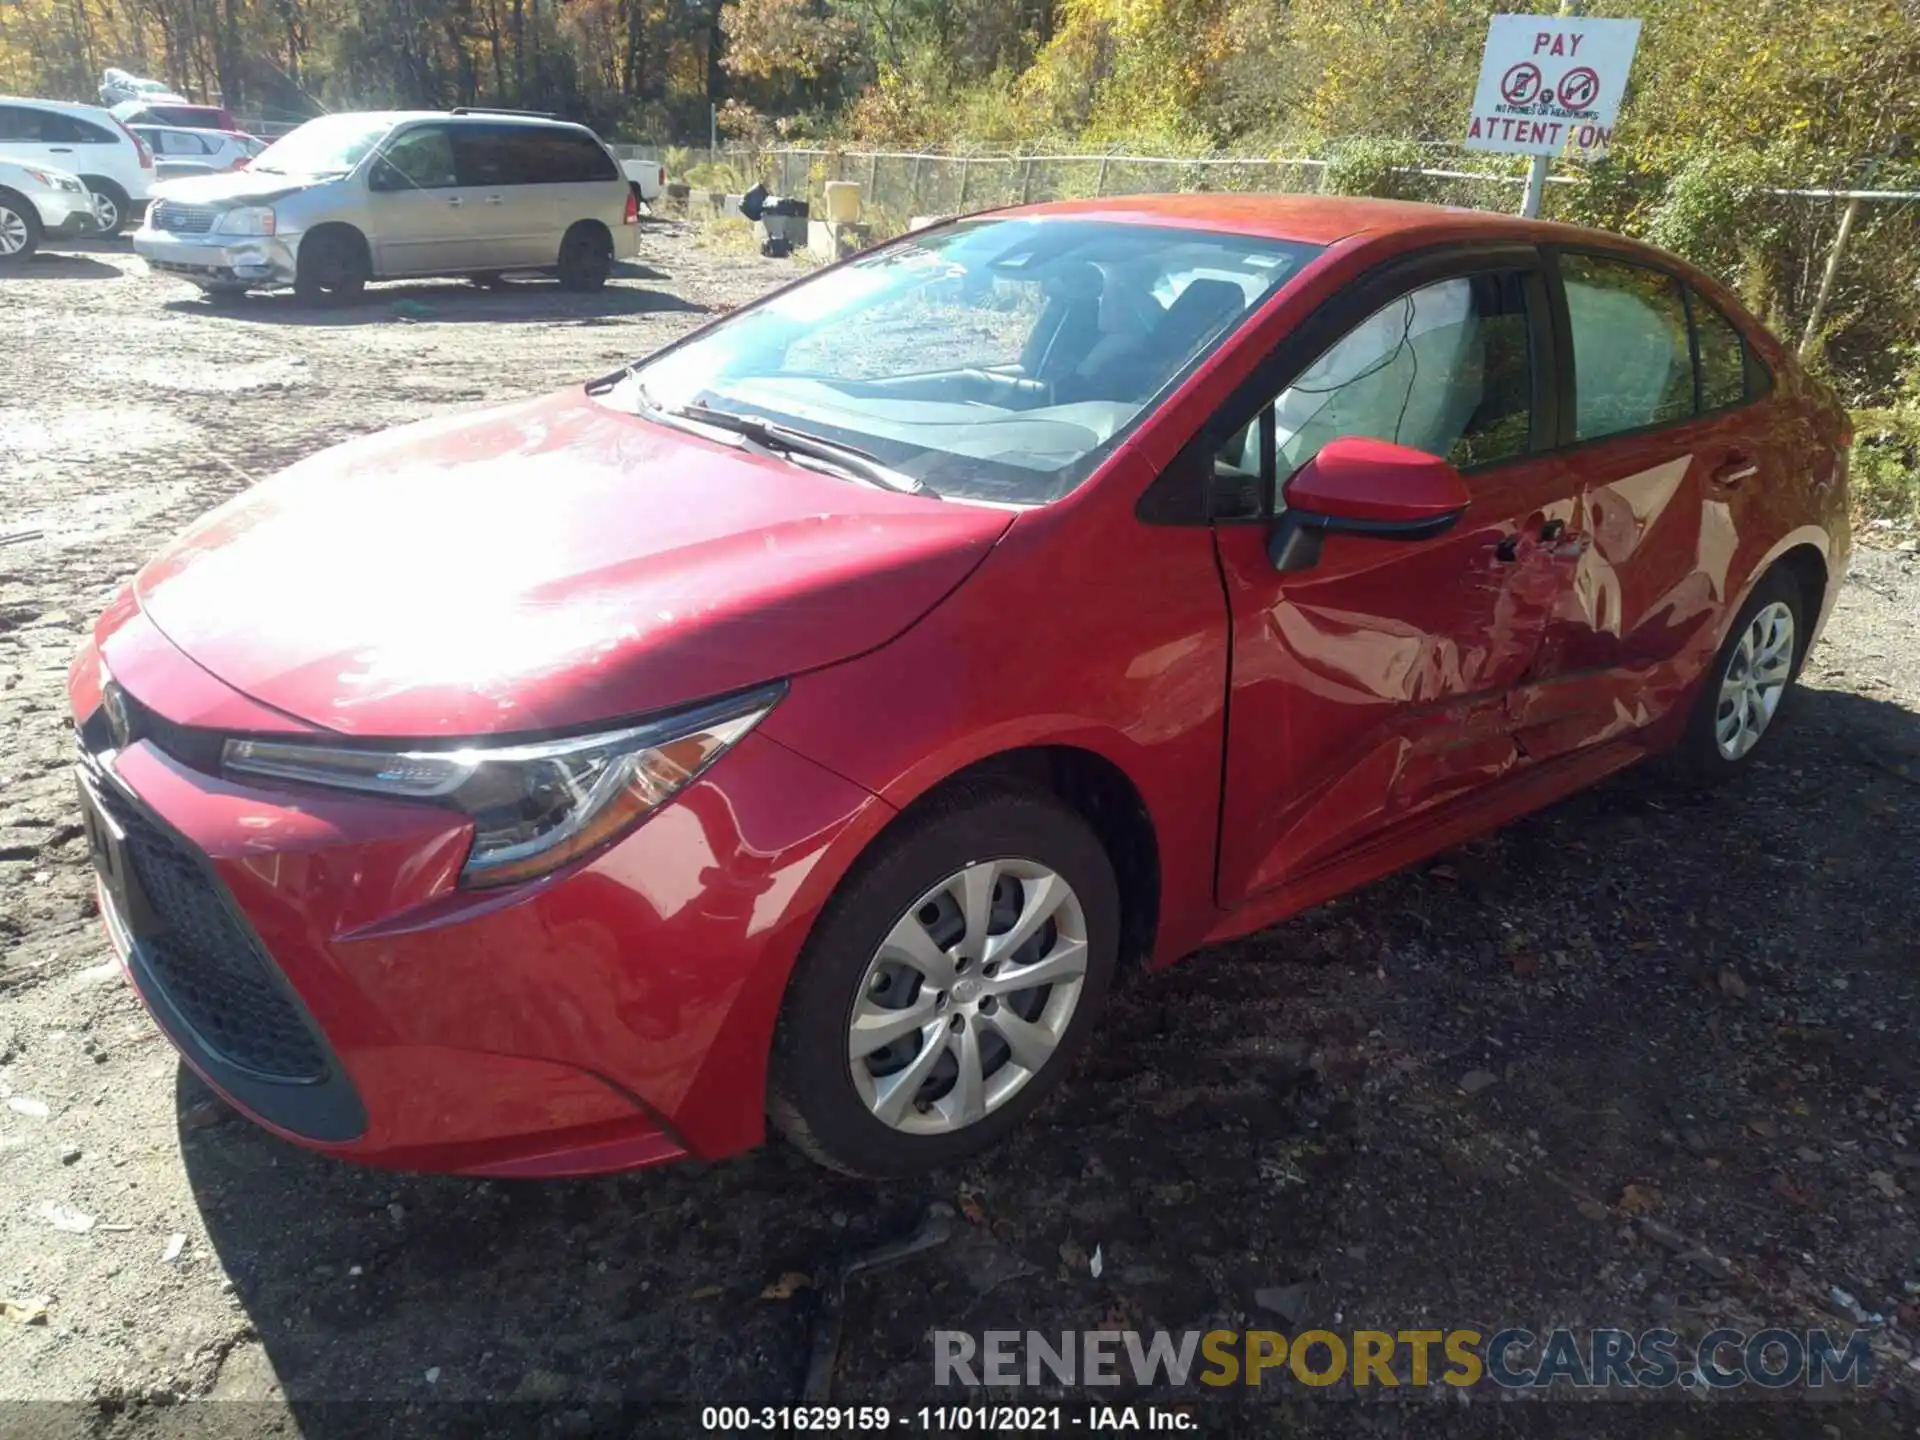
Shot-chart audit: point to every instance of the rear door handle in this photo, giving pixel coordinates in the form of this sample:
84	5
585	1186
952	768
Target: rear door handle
61	149
455	201
494	200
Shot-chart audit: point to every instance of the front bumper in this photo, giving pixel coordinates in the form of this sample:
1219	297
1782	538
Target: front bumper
219	259
64	214
615	1015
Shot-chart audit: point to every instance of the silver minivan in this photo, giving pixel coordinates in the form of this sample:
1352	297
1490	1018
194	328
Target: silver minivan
350	198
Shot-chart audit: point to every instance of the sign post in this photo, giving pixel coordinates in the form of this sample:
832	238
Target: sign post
1550	85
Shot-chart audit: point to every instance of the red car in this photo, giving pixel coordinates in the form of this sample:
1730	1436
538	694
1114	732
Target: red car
810	721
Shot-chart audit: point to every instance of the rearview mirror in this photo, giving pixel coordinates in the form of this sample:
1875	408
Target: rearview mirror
1360	486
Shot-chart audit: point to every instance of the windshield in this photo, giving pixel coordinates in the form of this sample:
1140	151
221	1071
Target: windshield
993	359
334	142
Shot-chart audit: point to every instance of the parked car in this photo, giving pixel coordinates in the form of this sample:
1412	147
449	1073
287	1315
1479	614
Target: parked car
118	86
172	110
115	163
350	198
811	720
179	151
648	178
38	203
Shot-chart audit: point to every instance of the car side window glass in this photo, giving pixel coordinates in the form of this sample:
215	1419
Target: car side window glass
34	126
1445	369
495	155
89	133
1723	360
420	159
1632	364
577	160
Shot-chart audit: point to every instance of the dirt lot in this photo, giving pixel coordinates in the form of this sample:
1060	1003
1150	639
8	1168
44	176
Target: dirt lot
1699	1098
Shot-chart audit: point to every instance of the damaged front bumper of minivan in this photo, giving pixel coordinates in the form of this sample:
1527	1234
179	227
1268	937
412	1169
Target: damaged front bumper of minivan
219	260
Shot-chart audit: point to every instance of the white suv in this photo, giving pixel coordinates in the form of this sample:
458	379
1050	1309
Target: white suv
38	202
116	165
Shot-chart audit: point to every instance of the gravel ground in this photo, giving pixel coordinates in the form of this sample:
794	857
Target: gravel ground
1686	1024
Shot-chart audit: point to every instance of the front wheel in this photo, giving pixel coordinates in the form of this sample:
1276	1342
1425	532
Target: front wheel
948	986
332	267
19	230
1740	698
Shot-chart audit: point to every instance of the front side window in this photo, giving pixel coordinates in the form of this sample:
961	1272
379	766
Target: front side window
990	359
1632	364
1446	369
418	159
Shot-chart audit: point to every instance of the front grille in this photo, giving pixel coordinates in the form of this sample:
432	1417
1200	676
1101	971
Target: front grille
211	969
183	219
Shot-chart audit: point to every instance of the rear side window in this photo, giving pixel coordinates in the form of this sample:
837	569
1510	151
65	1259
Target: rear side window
573	158
1632	363
1723	357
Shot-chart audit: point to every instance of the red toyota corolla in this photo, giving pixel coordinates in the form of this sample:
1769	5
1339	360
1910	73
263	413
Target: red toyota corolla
809	721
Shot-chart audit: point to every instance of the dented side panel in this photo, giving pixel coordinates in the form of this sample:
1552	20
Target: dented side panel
1375	685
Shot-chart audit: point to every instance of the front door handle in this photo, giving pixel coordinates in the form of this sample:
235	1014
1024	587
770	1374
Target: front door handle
494	200
455	201
1509	548
61	149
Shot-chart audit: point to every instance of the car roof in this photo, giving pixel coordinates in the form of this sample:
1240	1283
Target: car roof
1311	219
490	117
55	104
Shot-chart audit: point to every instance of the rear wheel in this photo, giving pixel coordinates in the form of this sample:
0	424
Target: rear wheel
333	267
586	257
19	228
110	204
1740	698
948	986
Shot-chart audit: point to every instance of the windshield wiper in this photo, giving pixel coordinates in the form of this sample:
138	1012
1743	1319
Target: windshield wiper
784	440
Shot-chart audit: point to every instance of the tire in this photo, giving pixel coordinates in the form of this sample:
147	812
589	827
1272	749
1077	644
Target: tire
20	231
333	267
851	961
1721	737
586	258
111	204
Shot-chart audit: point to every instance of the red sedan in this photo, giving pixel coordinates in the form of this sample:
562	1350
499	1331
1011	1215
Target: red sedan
810	721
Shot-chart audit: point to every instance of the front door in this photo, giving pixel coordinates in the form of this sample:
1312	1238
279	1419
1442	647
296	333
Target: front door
417	210
1377	683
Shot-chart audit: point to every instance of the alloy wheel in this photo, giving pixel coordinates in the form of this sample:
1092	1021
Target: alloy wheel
14	234
967	997
107	212
1755	679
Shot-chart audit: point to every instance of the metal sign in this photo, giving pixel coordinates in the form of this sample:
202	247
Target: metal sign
1551	85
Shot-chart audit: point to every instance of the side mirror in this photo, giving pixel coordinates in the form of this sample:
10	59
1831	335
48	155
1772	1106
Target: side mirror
1358	486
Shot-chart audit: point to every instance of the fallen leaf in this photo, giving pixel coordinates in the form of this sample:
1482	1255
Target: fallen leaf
787	1286
1794	1195
26	1312
706	1292
1097	1264
972	1209
1526	965
1885	1184
1474	1081
1638	1200
1731	985
1763	1127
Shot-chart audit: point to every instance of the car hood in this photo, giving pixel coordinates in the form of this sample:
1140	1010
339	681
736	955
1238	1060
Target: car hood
234	187
550	564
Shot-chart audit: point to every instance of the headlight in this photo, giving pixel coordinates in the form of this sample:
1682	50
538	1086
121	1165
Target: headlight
67	182
246	220
537	806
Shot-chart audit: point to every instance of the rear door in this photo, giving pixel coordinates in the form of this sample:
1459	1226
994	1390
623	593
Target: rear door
417	212
1375	685
501	166
1659	424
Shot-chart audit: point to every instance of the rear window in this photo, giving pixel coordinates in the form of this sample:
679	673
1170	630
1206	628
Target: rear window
528	155
50	127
